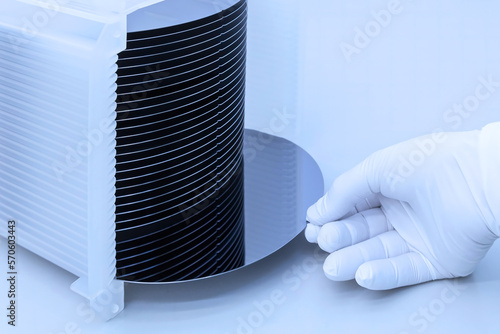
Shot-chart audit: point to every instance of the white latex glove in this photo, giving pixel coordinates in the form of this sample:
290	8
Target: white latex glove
421	210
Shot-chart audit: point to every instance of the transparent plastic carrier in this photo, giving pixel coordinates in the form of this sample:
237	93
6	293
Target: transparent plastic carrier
58	63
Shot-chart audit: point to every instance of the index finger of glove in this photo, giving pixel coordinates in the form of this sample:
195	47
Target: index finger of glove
350	193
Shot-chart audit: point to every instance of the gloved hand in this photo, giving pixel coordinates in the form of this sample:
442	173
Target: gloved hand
424	209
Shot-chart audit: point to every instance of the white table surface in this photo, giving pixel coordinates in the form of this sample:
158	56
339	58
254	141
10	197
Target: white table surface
290	287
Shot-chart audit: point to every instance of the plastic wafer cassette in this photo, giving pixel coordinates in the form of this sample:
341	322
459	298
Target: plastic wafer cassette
122	143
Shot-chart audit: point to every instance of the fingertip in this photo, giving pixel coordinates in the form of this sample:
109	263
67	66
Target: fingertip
403	270
325	208
336	268
331	238
365	276
331	270
313	214
347	193
311	232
